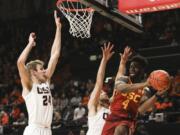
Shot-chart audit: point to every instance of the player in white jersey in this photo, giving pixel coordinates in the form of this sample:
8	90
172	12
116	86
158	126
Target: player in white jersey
99	102
35	82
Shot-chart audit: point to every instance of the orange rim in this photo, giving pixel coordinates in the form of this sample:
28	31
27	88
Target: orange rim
59	2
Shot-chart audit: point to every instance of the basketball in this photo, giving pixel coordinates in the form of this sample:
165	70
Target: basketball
159	80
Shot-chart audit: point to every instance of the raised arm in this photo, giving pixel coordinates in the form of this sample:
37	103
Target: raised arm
56	48
24	75
123	60
94	98
121	82
122	68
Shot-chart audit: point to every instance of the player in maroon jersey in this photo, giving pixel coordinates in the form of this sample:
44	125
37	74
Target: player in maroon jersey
129	97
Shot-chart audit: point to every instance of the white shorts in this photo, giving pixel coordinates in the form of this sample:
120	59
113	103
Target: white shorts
37	130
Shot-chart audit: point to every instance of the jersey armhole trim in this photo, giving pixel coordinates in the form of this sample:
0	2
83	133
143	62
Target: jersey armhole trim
26	96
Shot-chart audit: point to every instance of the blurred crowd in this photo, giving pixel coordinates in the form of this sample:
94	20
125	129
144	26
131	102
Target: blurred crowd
71	94
162	28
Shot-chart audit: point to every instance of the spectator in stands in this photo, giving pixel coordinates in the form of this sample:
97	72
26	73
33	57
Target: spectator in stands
63	101
79	113
4	118
85	98
90	85
15	113
56	102
164	105
5	100
16	95
56	123
76	99
67	114
21	121
82	132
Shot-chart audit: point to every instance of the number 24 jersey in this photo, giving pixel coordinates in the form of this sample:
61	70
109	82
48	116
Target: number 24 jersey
39	104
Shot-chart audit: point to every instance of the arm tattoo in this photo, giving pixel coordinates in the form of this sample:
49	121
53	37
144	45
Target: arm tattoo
121	80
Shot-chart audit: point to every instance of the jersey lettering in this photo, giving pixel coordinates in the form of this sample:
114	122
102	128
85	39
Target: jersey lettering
105	115
43	90
46	100
130	97
124	94
125	104
136	98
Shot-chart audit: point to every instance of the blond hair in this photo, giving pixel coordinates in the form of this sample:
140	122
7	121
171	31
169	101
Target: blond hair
33	64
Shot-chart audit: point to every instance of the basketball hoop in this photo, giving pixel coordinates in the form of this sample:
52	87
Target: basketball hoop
78	15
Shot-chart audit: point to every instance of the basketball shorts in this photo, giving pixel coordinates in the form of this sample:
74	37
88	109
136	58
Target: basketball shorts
110	125
37	130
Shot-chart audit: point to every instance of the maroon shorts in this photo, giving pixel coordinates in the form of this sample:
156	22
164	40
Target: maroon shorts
110	125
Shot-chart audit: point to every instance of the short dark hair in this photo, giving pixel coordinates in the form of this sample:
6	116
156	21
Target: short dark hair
141	60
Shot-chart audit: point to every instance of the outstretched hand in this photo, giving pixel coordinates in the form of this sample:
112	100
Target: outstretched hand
107	51
126	54
32	38
57	19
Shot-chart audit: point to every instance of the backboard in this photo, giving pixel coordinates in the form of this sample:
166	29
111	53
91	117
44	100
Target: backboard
108	8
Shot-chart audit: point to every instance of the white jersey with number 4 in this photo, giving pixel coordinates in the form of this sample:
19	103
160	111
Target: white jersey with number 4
39	105
96	122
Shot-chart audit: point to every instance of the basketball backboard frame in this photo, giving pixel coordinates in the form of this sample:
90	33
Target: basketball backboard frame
130	22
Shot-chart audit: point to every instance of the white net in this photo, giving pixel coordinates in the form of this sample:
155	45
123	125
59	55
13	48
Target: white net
79	17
